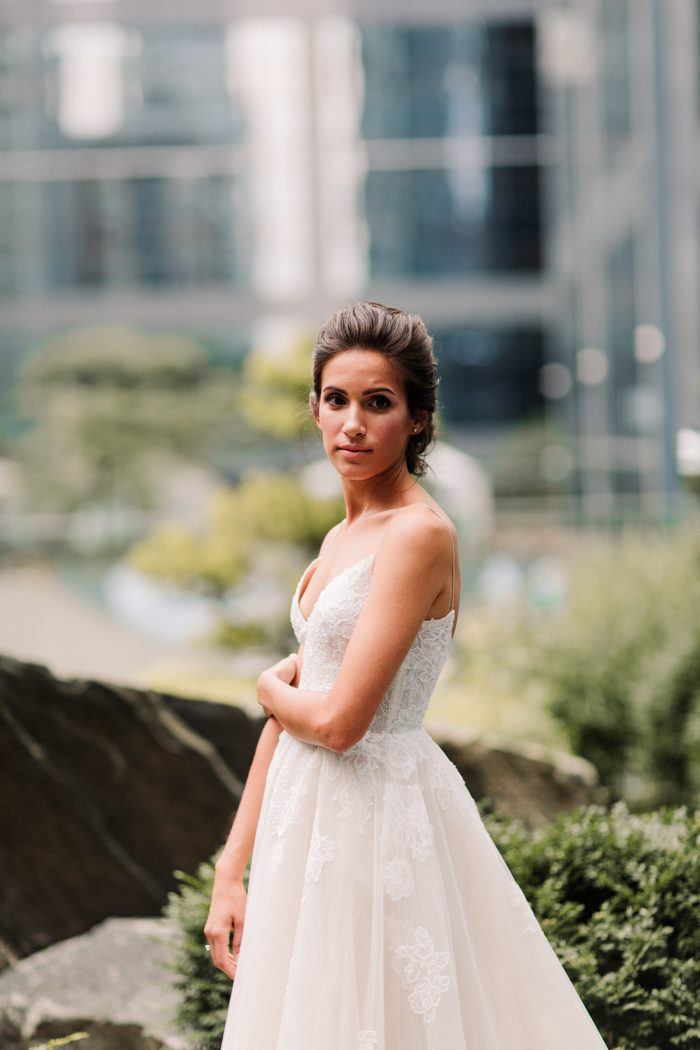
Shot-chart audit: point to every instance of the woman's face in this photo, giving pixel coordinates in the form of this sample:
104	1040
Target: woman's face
362	405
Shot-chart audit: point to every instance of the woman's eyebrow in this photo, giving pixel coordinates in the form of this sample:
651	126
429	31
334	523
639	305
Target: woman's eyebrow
371	390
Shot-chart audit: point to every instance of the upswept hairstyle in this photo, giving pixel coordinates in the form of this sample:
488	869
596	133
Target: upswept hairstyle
404	339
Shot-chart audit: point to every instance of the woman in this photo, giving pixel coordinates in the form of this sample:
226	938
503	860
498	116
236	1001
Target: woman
380	914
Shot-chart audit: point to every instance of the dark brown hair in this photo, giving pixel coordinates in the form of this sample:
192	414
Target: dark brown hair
404	339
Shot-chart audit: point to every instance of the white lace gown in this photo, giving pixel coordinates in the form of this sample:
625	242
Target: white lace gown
380	914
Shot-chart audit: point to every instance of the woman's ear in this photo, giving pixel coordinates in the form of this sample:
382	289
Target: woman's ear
420	423
313	406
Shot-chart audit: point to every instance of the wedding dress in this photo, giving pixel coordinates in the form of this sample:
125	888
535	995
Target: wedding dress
380	913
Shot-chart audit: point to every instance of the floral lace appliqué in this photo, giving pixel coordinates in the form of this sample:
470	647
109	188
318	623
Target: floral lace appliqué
397	879
409	819
382	759
441	781
368	1039
285	804
423	974
321	850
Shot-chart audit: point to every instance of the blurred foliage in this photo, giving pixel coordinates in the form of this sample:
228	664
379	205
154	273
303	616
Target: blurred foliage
617	666
114	407
61	1040
273	398
533	459
240	636
615	894
488	686
208	563
220	684
622	662
274	506
267	506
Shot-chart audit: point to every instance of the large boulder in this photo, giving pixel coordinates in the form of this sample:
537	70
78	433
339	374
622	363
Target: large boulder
112	983
106	790
520	779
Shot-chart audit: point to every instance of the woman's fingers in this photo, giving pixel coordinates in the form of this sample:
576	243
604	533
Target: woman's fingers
226	914
220	955
237	935
286	668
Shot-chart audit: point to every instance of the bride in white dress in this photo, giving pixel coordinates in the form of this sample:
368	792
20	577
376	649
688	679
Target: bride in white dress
379	915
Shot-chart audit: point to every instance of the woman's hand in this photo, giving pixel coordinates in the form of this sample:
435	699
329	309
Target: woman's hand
285	669
226	913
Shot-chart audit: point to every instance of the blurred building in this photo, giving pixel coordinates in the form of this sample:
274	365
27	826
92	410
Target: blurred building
623	82
521	173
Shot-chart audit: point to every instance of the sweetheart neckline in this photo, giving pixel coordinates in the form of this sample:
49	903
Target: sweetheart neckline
338	575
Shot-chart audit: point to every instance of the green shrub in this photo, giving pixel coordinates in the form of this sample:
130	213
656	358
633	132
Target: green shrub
204	990
617	895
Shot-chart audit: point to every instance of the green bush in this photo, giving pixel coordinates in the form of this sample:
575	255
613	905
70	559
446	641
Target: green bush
617	895
204	991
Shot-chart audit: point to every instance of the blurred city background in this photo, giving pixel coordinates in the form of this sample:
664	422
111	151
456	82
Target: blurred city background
188	189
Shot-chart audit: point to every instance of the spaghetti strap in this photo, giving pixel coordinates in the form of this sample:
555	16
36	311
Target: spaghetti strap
452	570
336	533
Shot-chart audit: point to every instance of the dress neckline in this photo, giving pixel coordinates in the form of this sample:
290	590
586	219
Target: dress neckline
369	558
327	584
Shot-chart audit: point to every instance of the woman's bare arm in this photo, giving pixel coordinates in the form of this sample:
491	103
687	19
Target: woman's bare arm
413	556
239	844
228	901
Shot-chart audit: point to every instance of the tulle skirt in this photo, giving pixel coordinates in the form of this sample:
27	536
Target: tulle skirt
381	915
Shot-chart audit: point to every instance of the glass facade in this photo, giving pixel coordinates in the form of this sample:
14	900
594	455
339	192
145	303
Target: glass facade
626	196
453	222
112	84
439	81
489	375
621	320
172	156
449	83
616	101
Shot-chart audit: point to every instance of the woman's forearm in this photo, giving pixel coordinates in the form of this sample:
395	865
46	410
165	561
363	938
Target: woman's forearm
239	844
302	712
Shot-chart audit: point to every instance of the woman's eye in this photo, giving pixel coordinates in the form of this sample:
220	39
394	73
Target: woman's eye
386	403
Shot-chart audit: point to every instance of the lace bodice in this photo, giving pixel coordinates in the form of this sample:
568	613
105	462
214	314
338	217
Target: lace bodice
328	630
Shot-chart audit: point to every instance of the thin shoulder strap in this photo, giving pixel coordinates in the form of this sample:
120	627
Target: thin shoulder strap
336	533
452	542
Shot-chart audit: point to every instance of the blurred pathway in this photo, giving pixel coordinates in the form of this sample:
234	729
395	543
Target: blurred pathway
42	620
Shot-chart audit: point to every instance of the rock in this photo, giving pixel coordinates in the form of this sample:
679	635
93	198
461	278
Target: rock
104	792
107	790
524	780
111	983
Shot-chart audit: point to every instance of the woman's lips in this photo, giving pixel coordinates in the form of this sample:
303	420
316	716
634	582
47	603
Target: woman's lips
354	453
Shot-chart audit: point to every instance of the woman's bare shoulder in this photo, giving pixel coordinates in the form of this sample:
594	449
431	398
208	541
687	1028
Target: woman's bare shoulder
417	530
417	518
